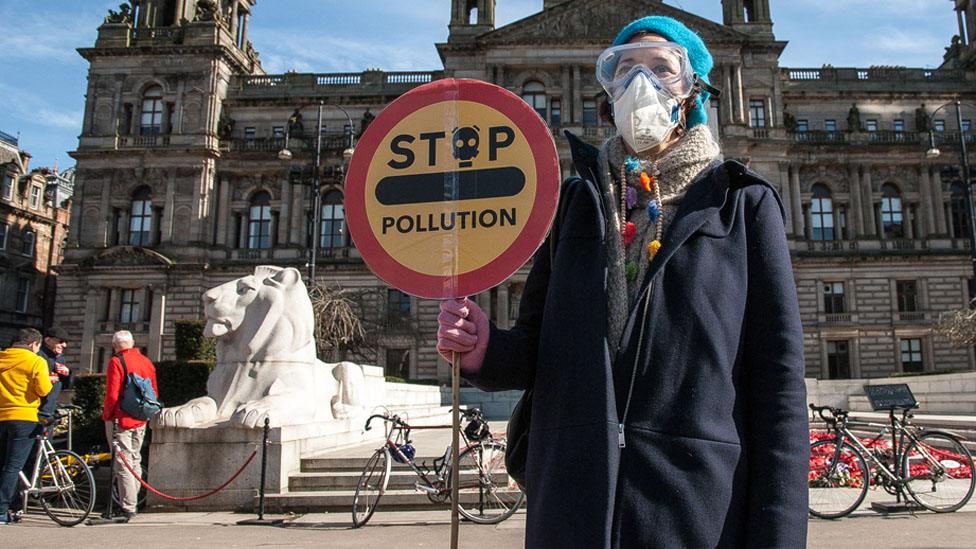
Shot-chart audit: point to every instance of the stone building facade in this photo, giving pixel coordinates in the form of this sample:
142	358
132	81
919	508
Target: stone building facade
34	212
182	184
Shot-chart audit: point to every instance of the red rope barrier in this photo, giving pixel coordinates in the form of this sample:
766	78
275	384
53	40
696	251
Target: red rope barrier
174	498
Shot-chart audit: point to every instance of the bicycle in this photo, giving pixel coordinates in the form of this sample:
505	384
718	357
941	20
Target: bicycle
485	494
932	466
61	481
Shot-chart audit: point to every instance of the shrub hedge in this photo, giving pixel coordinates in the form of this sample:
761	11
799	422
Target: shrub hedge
191	344
181	381
89	393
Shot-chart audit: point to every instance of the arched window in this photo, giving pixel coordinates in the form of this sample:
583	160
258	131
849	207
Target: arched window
151	122
958	218
333	229
27	243
822	213
140	217
534	93
259	221
892	222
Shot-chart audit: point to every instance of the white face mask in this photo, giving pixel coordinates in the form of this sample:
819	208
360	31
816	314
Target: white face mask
644	115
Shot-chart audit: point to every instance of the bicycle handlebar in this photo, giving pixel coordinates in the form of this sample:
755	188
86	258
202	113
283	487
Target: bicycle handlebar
473	413
835	413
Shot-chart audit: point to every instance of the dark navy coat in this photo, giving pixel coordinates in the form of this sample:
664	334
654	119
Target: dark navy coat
716	444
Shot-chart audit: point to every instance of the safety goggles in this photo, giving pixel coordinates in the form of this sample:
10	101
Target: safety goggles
665	62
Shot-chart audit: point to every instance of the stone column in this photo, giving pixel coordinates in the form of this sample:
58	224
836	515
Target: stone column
297	222
156	323
928	213
114	303
167	222
738	100
502	317
105	207
567	95
284	219
577	95
87	350
787	195
940	217
728	104
501	75
856	212
908	212
223	211
867	201
797	202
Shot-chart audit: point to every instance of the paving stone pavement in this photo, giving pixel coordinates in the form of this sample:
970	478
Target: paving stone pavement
431	529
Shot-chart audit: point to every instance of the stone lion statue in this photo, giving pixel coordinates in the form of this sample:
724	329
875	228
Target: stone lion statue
266	362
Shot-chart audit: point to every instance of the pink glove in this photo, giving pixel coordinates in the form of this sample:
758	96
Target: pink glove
463	328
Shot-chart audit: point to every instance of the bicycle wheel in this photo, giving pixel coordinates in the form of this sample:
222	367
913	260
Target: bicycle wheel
837	482
939	472
371	486
485	493
67	488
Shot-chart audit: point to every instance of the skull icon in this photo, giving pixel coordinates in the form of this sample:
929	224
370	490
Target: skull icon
465	143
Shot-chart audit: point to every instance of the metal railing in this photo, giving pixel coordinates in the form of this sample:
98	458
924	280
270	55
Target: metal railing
833	318
873	74
911	316
367	78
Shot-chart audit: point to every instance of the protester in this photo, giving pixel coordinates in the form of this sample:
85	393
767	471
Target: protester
24	381
660	331
128	431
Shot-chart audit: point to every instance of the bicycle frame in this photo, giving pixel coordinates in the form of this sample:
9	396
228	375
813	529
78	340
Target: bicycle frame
44	453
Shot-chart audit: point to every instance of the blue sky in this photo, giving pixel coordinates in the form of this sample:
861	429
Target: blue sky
43	79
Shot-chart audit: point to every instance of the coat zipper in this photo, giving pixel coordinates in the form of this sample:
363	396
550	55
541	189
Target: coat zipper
621	439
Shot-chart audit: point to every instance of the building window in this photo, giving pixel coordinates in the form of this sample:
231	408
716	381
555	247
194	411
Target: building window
278	134
590	113
151	122
830	125
907	292
967	125
959	219
35	198
140	217
822	213
899	125
8	187
129	309
3	236
556	112
397	307
871	125
259	222
838	360
757	113
250	134
938	125
833	298
397	363
892	222
23	294
911	355
802	125
27	243
534	93
333	229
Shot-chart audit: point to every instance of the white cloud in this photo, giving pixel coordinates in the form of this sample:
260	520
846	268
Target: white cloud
29	107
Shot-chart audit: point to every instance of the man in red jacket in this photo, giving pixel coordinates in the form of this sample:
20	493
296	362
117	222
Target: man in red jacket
129	431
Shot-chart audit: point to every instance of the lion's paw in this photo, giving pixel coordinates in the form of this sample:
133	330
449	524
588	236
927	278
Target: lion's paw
195	412
253	414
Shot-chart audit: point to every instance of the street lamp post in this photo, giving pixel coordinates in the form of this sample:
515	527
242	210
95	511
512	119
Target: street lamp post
285	154
934	152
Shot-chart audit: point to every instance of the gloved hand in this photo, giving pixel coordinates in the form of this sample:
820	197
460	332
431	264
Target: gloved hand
463	327
62	369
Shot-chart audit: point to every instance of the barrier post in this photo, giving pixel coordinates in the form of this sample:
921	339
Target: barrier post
261	521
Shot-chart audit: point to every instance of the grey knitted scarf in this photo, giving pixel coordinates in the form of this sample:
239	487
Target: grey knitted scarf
677	169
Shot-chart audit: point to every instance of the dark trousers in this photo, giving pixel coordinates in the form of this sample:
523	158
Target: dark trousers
15	446
18	502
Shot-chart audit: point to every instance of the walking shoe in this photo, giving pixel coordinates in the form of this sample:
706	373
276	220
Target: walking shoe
129	515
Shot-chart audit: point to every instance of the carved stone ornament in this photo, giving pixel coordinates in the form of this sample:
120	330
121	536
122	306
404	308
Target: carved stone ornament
128	256
266	362
121	17
207	10
922	119
225	125
600	21
854	119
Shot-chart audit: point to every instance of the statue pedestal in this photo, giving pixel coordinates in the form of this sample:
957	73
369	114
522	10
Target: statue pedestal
186	462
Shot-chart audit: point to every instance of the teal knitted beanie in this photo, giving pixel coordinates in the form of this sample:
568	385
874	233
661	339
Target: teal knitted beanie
675	31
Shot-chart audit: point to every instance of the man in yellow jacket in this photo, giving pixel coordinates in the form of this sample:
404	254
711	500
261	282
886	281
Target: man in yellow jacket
23	381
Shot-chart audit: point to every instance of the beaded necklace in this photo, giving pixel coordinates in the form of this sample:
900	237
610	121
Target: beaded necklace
628	201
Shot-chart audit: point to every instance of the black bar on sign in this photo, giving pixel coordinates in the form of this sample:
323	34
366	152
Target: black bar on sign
464	185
